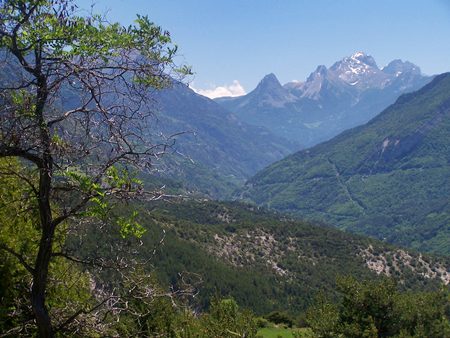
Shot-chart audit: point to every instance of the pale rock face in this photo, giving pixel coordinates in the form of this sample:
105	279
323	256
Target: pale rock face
359	70
313	85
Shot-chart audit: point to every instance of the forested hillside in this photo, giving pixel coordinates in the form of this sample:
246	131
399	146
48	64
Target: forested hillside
263	260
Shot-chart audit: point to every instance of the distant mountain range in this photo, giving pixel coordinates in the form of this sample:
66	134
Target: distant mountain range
349	93
389	178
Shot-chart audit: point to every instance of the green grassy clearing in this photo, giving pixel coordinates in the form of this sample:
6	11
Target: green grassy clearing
276	332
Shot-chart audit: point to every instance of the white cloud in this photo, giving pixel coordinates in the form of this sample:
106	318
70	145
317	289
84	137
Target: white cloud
234	89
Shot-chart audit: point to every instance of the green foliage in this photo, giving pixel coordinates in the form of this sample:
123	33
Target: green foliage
225	319
100	204
279	332
323	318
163	318
17	233
261	322
129	226
70	145
181	244
24	101
378	309
147	316
69	287
75	36
122	179
277	317
367	309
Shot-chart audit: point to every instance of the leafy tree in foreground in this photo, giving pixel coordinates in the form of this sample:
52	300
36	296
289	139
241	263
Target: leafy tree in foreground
75	111
225	319
68	287
378	309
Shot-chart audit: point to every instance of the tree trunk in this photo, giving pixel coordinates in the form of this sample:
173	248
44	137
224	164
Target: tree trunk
38	290
40	311
40	277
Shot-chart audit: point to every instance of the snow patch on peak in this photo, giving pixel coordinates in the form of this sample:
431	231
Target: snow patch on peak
361	59
358	55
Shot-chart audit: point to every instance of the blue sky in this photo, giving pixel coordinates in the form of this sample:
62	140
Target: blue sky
241	41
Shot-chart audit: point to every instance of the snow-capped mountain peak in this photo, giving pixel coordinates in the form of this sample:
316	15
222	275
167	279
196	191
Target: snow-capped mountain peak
352	74
357	63
358	55
361	57
360	70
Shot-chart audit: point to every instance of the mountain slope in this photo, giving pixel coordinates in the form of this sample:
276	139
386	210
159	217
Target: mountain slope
389	178
265	261
349	93
217	151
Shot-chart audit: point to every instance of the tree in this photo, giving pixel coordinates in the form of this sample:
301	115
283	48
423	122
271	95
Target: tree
68	287
378	309
278	317
225	319
76	110
15	280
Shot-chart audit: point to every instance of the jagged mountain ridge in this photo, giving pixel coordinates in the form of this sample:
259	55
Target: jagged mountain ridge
389	178
331	100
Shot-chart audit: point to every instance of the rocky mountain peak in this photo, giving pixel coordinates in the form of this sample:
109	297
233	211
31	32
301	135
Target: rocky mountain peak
270	92
361	57
358	63
319	73
397	67
359	70
269	82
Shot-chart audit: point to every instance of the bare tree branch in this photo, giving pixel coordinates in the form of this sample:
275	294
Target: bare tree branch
18	256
